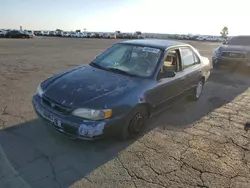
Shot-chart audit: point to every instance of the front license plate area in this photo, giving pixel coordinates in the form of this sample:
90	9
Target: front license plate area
56	122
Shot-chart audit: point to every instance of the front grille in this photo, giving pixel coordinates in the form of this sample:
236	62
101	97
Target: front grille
55	106
233	55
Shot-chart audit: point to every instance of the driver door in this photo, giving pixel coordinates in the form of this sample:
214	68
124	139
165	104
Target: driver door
167	89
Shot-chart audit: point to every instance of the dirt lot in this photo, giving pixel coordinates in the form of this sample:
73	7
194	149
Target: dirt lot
191	145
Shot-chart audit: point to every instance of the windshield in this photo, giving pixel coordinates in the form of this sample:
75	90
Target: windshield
139	61
241	41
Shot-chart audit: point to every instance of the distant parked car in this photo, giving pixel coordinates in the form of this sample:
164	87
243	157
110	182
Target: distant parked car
84	35
193	37
37	33
97	35
2	33
112	36
72	34
234	53
65	34
106	35
91	35
18	34
52	33
45	33
59	33
121	89
30	33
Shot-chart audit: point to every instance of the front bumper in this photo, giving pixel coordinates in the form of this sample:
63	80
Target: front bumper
69	125
235	62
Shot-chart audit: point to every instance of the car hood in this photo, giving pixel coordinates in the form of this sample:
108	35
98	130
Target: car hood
87	84
235	48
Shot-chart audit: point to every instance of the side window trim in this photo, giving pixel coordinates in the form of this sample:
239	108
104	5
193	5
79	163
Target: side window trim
177	49
194	55
179	61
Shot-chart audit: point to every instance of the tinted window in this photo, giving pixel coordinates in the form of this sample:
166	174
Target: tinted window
188	58
242	41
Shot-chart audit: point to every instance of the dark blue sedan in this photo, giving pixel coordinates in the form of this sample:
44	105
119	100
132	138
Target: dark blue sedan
121	88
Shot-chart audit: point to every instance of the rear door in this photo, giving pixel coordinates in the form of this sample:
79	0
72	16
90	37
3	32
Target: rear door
192	69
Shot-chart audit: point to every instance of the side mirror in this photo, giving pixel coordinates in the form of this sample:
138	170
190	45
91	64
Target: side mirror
169	74
166	74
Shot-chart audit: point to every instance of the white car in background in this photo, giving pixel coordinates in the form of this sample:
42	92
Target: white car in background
2	33
201	38
105	35
72	34
80	35
65	34
212	38
45	33
86	35
112	36
52	33
83	35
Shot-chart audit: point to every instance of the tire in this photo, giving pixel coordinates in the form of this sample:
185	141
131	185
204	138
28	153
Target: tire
197	91
136	123
216	65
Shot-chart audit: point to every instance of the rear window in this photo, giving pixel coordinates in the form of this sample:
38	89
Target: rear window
241	41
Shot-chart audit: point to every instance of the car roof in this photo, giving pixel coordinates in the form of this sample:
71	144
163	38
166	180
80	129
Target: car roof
155	43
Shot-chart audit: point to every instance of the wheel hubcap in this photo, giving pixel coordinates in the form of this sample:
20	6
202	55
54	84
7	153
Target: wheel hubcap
199	89
136	124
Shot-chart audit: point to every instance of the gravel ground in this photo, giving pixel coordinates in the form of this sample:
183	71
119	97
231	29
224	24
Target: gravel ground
191	145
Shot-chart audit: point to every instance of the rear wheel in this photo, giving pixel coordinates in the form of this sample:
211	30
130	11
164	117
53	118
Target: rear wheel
196	93
135	124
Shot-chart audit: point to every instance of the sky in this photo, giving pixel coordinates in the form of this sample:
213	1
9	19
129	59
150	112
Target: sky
151	16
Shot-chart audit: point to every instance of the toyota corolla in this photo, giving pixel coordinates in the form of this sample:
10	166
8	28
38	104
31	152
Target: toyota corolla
121	88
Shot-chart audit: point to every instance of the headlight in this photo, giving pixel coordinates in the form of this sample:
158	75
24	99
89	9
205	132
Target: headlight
39	91
92	114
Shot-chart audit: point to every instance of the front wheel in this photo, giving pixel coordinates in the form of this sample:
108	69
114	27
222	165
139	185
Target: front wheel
216	64
135	124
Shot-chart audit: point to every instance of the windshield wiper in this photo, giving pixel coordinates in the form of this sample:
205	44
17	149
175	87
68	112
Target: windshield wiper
112	69
97	65
121	71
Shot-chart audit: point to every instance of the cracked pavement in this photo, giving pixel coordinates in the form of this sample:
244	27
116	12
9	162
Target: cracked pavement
201	144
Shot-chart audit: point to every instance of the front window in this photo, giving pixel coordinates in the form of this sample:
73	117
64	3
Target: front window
138	61
241	41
